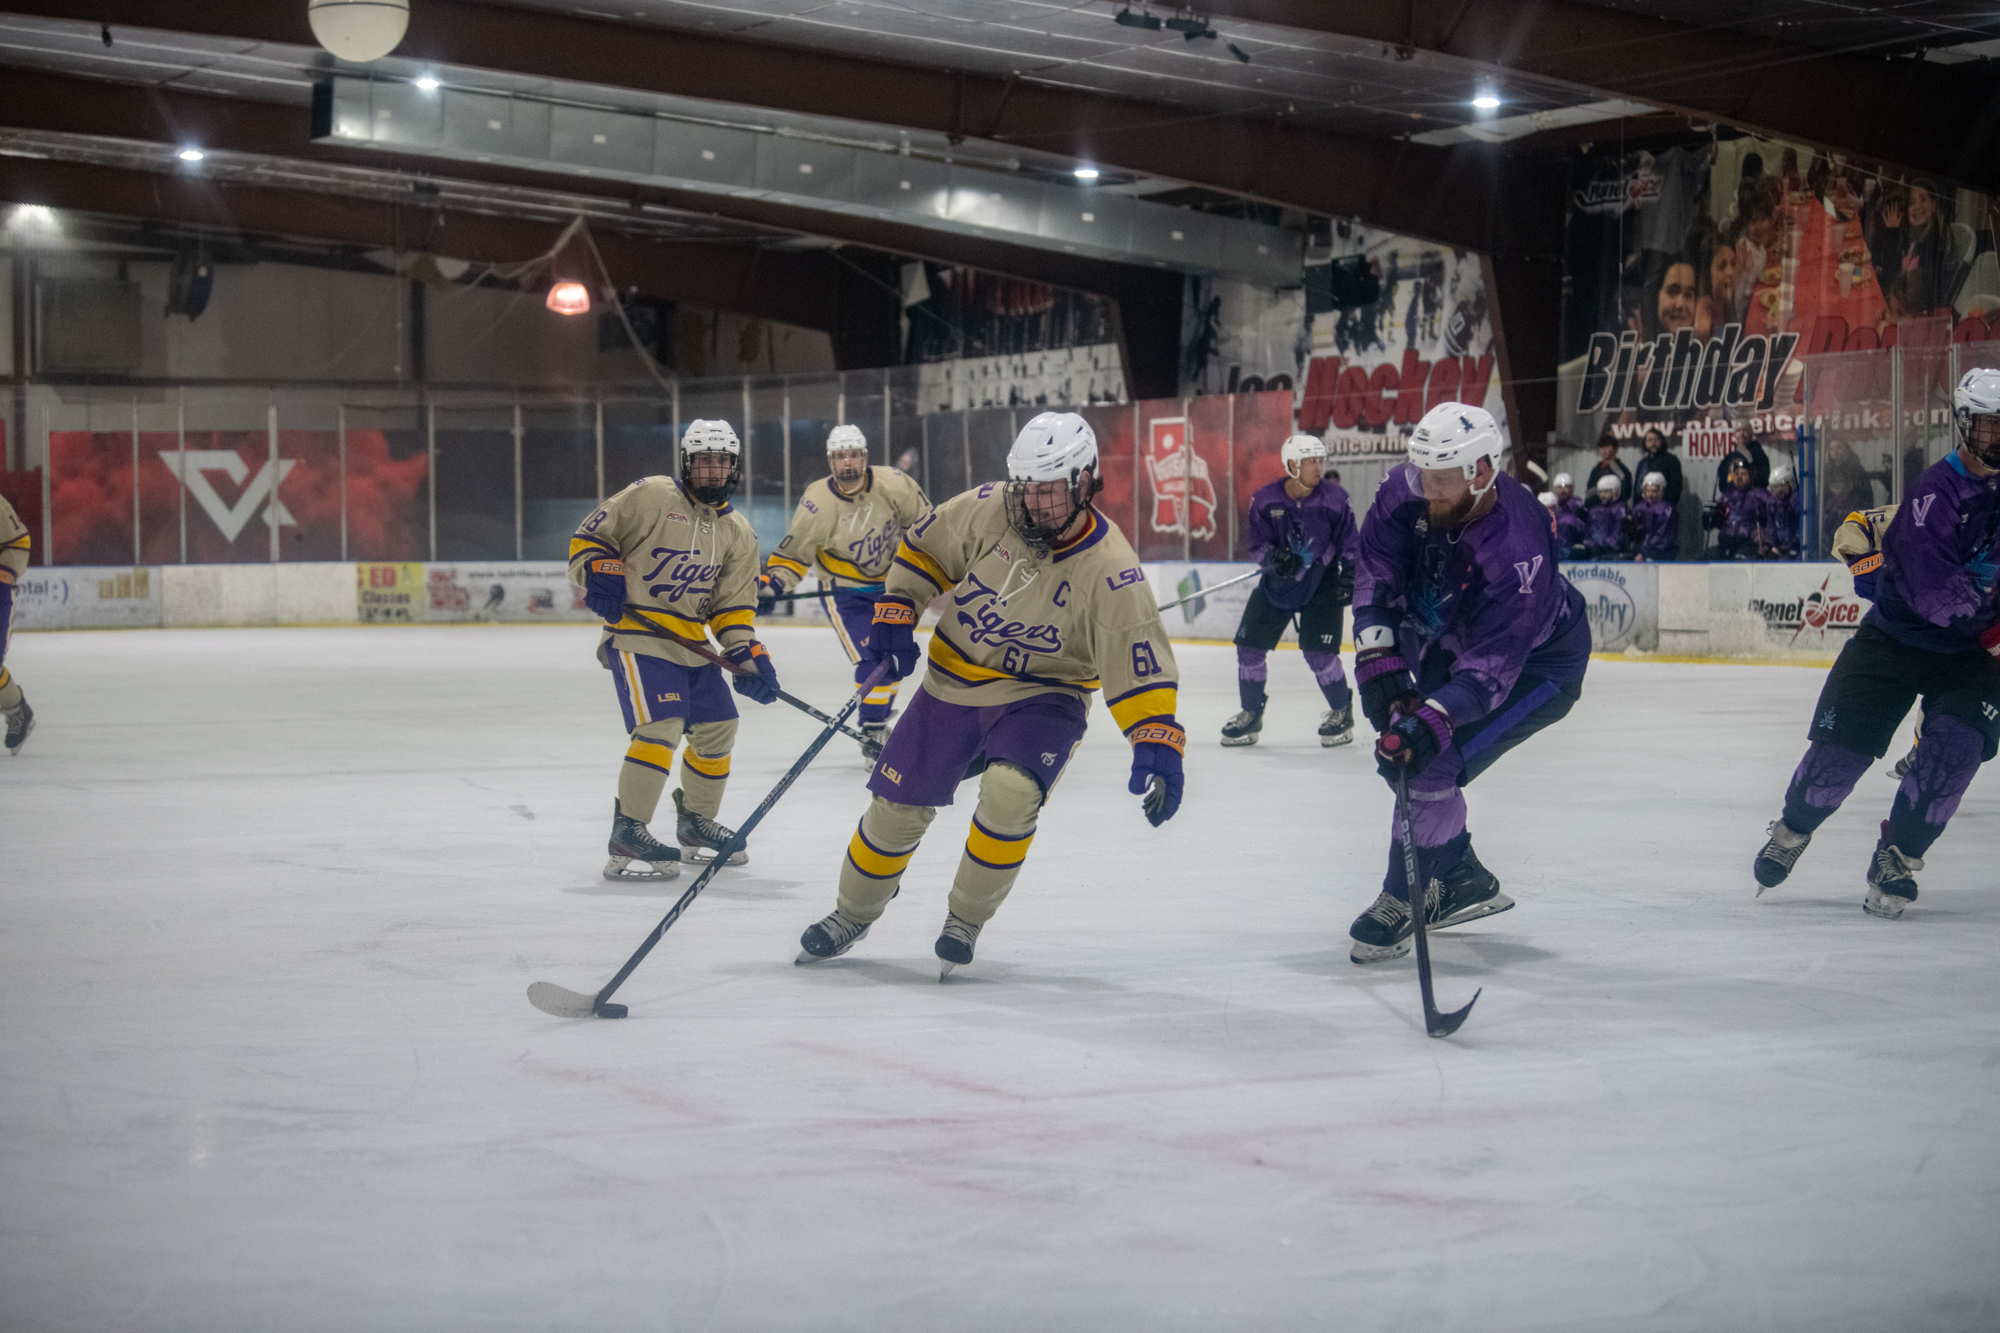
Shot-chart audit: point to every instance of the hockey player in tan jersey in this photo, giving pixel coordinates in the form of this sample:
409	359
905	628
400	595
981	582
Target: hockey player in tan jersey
14	544
673	553
846	530
1047	605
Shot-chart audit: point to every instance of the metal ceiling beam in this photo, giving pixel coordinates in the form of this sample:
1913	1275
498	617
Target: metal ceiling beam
1469	197
1936	118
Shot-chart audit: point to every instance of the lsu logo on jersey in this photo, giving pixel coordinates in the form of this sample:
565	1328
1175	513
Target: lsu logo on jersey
808	506
1125	578
670	698
989	625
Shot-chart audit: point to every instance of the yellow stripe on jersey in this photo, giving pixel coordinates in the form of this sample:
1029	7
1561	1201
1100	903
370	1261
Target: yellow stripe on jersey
667	620
580	545
787	563
20	541
716	766
1136	707
845	569
948	659
873	862
994	851
923	564
646	751
738	619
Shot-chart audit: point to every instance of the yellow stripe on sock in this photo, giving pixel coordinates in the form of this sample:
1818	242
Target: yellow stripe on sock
651	753
992	850
875	864
881	696
716	766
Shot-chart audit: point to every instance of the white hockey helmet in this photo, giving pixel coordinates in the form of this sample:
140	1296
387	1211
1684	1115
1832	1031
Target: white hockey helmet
1053	446
1781	475
1301	449
1562	479
1609	484
710	437
1547	499
845	437
1454	437
1650	480
1978	395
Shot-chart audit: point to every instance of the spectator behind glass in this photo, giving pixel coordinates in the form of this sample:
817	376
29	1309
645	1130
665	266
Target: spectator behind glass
1737	514
1658	458
1656	524
1750	450
1608	466
1779	537
1845	485
1607	518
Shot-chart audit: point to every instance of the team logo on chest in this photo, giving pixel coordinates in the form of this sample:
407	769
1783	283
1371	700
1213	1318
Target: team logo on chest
679	573
1527	569
1920	508
982	611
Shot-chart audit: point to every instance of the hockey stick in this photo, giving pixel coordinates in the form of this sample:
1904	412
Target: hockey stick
1203	592
565	1003
1435	1023
700	649
823	592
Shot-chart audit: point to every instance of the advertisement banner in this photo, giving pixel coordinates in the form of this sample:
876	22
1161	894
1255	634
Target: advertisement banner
1697	279
1622	602
1805	608
508	593
1207	615
389	594
82	597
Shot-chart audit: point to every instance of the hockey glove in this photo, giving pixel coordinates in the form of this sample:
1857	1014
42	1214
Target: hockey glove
1281	561
760	682
1343	588
894	637
1384	679
1414	738
1990	641
767	594
604	588
1157	747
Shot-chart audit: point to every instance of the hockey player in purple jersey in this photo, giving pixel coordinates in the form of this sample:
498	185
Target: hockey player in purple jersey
1736	515
1572	533
1302	535
1470	641
1933	634
1608	519
1657	525
1779	537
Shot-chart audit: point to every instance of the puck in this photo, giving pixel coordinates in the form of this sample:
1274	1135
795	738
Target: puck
611	1011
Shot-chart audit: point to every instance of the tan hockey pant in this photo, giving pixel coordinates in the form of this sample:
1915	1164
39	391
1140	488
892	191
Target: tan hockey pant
704	766
1003	825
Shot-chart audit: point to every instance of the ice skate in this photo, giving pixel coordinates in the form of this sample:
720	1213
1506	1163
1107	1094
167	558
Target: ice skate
701	837
830	937
1243	728
19	723
1467	894
1892	883
1383	931
631	841
954	945
1780	854
1904	765
876	735
1336	728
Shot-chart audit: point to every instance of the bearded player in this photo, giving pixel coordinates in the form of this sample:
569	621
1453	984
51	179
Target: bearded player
1469	641
668	557
1932	634
1047	605
846	529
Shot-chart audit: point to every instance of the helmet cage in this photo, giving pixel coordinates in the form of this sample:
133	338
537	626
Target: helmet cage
1043	537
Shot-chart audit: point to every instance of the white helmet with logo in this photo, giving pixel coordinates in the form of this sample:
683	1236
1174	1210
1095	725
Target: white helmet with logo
1978	395
710	437
845	437
1650	480
1455	436
1053	446
1562	479
1301	449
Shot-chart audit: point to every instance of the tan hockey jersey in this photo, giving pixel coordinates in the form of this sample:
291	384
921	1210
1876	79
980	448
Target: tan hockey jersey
1015	625
688	567
848	540
14	542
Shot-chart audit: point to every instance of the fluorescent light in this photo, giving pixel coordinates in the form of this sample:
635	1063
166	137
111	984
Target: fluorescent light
428	83
1086	173
192	155
1486	102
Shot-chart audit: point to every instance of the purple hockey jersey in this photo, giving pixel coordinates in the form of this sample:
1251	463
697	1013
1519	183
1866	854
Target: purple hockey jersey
1940	559
1571	530
1659	529
1489	594
1320	526
1781	519
1742	512
1607	525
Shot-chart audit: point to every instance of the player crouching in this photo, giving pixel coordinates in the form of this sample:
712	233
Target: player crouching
1934	634
1047	603
668	558
1458	570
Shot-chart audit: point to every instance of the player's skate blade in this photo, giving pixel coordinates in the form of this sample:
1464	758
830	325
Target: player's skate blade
830	937
633	841
1774	864
955	943
1243	728
563	1002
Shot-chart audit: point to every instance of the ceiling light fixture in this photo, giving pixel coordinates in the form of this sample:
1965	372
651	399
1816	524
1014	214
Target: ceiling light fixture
191	155
1086	173
1486	102
428	83
569	298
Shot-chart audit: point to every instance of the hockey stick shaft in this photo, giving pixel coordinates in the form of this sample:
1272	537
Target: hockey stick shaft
700	649
737	843
1203	592
1435	1023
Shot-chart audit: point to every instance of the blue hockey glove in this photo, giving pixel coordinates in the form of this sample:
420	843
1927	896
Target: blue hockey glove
1383	678
1414	738
761	681
894	636
604	588
1157	746
767	594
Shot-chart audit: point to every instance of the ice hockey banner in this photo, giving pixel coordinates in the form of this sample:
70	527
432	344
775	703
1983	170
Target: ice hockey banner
1697	279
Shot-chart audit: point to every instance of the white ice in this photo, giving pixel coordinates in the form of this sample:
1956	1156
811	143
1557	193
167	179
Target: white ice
272	899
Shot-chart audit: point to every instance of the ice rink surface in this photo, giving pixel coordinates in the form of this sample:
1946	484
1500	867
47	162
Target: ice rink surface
272	899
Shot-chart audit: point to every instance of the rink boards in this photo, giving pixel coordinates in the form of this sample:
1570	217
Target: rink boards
1724	610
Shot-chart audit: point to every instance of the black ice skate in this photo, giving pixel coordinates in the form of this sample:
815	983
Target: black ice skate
632	841
876	736
19	723
1892	883
1780	854
830	937
954	946
701	837
1337	727
1469	893
1243	728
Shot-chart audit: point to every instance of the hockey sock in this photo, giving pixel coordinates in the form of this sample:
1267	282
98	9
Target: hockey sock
877	855
705	766
1931	790
1437	809
1252	670
1003	827
643	775
1820	783
875	708
10	691
1332	681
1439	862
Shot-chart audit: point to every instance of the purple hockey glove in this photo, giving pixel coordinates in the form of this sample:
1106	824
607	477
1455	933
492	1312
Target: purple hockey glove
604	588
1384	680
761	682
1412	739
894	636
1157	746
